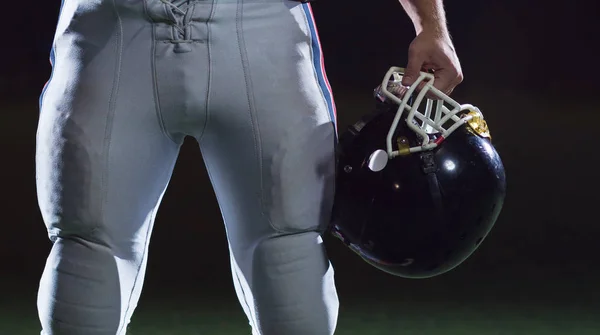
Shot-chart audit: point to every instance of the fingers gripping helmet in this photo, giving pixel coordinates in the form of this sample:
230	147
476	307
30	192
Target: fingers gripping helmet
419	184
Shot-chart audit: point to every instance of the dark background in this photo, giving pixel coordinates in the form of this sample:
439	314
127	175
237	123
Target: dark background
531	66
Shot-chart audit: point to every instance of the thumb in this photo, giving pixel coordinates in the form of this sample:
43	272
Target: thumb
413	68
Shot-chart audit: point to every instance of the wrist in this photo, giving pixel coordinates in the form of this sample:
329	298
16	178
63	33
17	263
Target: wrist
433	27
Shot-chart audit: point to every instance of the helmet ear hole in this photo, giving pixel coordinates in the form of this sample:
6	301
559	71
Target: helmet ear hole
378	160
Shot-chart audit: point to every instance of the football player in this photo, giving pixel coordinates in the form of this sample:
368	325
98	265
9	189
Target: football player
246	79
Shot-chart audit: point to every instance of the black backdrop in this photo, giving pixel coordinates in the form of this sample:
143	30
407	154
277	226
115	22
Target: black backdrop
532	66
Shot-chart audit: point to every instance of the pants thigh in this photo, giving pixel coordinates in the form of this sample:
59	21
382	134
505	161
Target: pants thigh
270	134
102	156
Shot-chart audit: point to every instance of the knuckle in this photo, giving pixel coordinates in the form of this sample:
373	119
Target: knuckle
414	49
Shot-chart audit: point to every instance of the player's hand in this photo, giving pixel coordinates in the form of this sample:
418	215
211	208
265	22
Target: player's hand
432	51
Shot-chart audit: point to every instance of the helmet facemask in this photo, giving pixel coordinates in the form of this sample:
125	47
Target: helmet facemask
440	116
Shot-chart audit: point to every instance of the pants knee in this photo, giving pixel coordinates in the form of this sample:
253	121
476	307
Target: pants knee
293	286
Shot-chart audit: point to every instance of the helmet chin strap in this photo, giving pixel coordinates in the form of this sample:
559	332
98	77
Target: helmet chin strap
379	159
429	168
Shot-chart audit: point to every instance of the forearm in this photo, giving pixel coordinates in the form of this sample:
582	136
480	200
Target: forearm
426	15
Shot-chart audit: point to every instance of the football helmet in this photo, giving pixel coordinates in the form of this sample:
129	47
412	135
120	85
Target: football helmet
419	184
